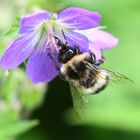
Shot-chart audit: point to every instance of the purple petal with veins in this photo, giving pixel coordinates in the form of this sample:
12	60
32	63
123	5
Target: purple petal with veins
102	39
40	67
28	23
78	18
77	39
18	51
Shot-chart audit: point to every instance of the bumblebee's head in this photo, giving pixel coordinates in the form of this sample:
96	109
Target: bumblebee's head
66	53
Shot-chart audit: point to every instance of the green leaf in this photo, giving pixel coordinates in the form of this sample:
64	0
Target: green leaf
13	32
29	95
14	29
18	18
15	129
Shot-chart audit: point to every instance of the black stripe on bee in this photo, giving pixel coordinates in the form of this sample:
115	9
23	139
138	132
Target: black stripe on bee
72	74
103	86
76	71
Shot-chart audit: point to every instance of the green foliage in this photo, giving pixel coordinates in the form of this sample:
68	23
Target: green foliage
18	97
12	32
11	130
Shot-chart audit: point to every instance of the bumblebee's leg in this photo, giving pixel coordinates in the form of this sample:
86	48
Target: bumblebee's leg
77	49
96	62
62	76
59	43
93	57
54	62
99	62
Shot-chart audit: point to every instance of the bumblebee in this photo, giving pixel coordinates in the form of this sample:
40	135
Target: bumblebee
83	71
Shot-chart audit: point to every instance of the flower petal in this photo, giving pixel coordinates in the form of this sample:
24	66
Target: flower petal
29	22
77	39
18	51
102	39
78	18
96	51
40	67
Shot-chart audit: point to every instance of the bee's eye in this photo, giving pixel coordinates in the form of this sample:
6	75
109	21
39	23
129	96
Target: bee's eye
69	53
66	55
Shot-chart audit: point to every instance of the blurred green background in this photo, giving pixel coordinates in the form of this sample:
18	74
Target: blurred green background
47	109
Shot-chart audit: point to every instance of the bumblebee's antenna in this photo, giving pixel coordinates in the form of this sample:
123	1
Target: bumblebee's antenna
63	34
64	37
60	43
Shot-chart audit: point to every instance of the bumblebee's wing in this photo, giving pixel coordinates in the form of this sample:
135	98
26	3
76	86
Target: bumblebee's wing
114	77
80	101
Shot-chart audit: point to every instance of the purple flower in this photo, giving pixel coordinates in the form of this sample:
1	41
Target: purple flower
36	40
99	40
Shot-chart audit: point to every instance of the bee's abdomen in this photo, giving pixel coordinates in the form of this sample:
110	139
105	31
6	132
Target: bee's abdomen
99	84
88	80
